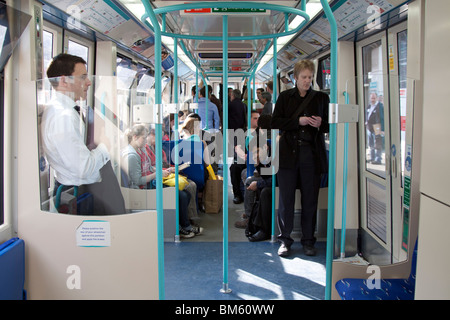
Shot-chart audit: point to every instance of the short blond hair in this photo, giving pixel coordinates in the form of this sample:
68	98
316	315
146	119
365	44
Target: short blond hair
304	65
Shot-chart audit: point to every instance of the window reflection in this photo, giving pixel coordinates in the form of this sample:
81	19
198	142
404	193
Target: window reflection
374	109
402	59
99	122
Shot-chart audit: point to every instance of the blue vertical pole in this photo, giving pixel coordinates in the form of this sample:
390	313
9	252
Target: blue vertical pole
158	149
249	106
273	144
225	288
332	154
196	88
177	191
344	185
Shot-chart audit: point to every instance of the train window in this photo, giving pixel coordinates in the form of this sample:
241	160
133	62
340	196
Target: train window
79	50
373	94
47	48
81	47
324	74
402	57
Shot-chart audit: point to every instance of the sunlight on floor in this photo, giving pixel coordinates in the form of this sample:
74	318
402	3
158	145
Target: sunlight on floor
306	269
249	278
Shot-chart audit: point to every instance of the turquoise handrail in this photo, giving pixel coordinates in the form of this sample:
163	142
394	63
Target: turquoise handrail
274	99
151	14
344	184
225	288
158	150
332	150
177	191
196	86
225	5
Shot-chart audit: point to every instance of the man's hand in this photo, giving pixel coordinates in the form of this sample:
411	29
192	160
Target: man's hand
253	186
314	121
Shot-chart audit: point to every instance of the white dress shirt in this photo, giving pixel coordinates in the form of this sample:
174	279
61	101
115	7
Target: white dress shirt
63	132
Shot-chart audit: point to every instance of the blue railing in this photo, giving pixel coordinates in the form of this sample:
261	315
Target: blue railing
151	15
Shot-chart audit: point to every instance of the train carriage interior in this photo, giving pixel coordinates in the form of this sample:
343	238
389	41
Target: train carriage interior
148	65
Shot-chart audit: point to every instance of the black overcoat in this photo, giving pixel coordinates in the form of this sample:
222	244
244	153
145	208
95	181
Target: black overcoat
282	119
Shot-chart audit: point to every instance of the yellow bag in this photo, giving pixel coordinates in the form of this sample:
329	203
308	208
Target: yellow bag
170	181
212	176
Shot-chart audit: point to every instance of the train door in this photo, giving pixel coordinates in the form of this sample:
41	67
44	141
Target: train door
382	93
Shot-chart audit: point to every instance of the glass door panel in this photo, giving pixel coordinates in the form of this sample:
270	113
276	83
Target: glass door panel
400	88
373	76
375	183
383	90
402	42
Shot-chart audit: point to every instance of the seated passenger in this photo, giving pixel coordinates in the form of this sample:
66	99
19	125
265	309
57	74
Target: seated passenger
190	130
137	138
148	163
240	163
258	199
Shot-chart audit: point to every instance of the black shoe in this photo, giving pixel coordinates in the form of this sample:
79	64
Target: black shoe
237	200
284	251
309	250
259	236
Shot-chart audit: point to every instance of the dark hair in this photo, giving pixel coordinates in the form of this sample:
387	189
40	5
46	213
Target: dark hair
63	65
203	91
194	115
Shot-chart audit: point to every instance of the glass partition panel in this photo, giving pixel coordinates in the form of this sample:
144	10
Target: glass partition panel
92	153
374	80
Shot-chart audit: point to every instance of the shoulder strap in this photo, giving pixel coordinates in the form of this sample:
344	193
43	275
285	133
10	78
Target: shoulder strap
305	103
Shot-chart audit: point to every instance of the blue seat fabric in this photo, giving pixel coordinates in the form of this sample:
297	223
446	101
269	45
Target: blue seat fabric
390	289
12	270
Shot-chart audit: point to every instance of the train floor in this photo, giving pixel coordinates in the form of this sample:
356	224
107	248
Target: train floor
194	267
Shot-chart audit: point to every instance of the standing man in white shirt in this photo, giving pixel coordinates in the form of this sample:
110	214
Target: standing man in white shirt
63	134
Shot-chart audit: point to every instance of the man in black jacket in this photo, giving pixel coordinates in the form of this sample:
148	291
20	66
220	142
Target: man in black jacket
236	120
301	114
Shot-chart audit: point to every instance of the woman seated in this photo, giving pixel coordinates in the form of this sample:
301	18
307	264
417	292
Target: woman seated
191	130
148	162
137	138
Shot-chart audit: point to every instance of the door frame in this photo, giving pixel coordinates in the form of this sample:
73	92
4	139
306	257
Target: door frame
363	172
393	163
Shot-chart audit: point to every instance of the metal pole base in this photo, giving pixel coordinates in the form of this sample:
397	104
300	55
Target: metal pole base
177	239
273	239
225	288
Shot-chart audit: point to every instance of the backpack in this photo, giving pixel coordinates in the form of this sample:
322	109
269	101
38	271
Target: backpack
251	228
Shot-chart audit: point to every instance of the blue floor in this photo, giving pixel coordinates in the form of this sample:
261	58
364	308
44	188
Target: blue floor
194	271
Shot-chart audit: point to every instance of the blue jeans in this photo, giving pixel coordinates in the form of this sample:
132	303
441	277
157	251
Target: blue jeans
184	198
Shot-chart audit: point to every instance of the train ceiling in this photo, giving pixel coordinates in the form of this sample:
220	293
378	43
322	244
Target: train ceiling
120	21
